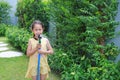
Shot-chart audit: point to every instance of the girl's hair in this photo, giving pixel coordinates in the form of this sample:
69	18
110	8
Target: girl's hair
36	22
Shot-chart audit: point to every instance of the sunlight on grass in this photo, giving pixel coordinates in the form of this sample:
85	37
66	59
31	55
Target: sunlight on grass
53	76
3	39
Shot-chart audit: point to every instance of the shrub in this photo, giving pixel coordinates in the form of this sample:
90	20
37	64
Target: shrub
83	24
107	71
59	60
74	72
83	27
30	10
4	12
18	37
2	29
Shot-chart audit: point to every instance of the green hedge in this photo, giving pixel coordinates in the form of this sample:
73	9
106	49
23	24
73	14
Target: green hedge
64	63
109	71
83	27
59	61
18	37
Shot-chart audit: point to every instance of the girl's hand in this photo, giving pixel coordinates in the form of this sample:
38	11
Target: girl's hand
42	51
38	46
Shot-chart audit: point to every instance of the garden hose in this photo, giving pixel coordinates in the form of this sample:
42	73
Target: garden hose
38	66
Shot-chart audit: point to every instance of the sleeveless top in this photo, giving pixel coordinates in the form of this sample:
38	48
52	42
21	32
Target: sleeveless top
33	59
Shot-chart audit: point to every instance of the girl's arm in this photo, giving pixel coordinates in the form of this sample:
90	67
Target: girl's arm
49	49
30	51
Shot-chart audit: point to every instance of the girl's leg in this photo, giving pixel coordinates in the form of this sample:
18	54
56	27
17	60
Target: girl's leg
43	76
34	78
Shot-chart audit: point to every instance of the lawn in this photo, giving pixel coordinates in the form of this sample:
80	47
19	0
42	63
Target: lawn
13	68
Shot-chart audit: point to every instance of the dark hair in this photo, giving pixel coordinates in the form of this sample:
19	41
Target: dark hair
36	22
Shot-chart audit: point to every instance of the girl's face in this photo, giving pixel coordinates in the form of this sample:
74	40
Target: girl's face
37	30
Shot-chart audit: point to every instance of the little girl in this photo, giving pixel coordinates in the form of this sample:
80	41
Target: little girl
34	48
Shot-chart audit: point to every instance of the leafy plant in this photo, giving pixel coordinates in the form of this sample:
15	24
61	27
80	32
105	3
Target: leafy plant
2	29
83	27
30	10
61	59
18	37
4	12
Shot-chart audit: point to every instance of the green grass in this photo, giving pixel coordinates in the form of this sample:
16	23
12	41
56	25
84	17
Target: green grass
3	39
15	68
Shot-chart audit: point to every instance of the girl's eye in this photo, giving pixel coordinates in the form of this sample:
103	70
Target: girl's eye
37	29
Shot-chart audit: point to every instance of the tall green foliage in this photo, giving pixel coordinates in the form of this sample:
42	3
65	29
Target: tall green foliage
4	12
30	10
84	23
83	27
